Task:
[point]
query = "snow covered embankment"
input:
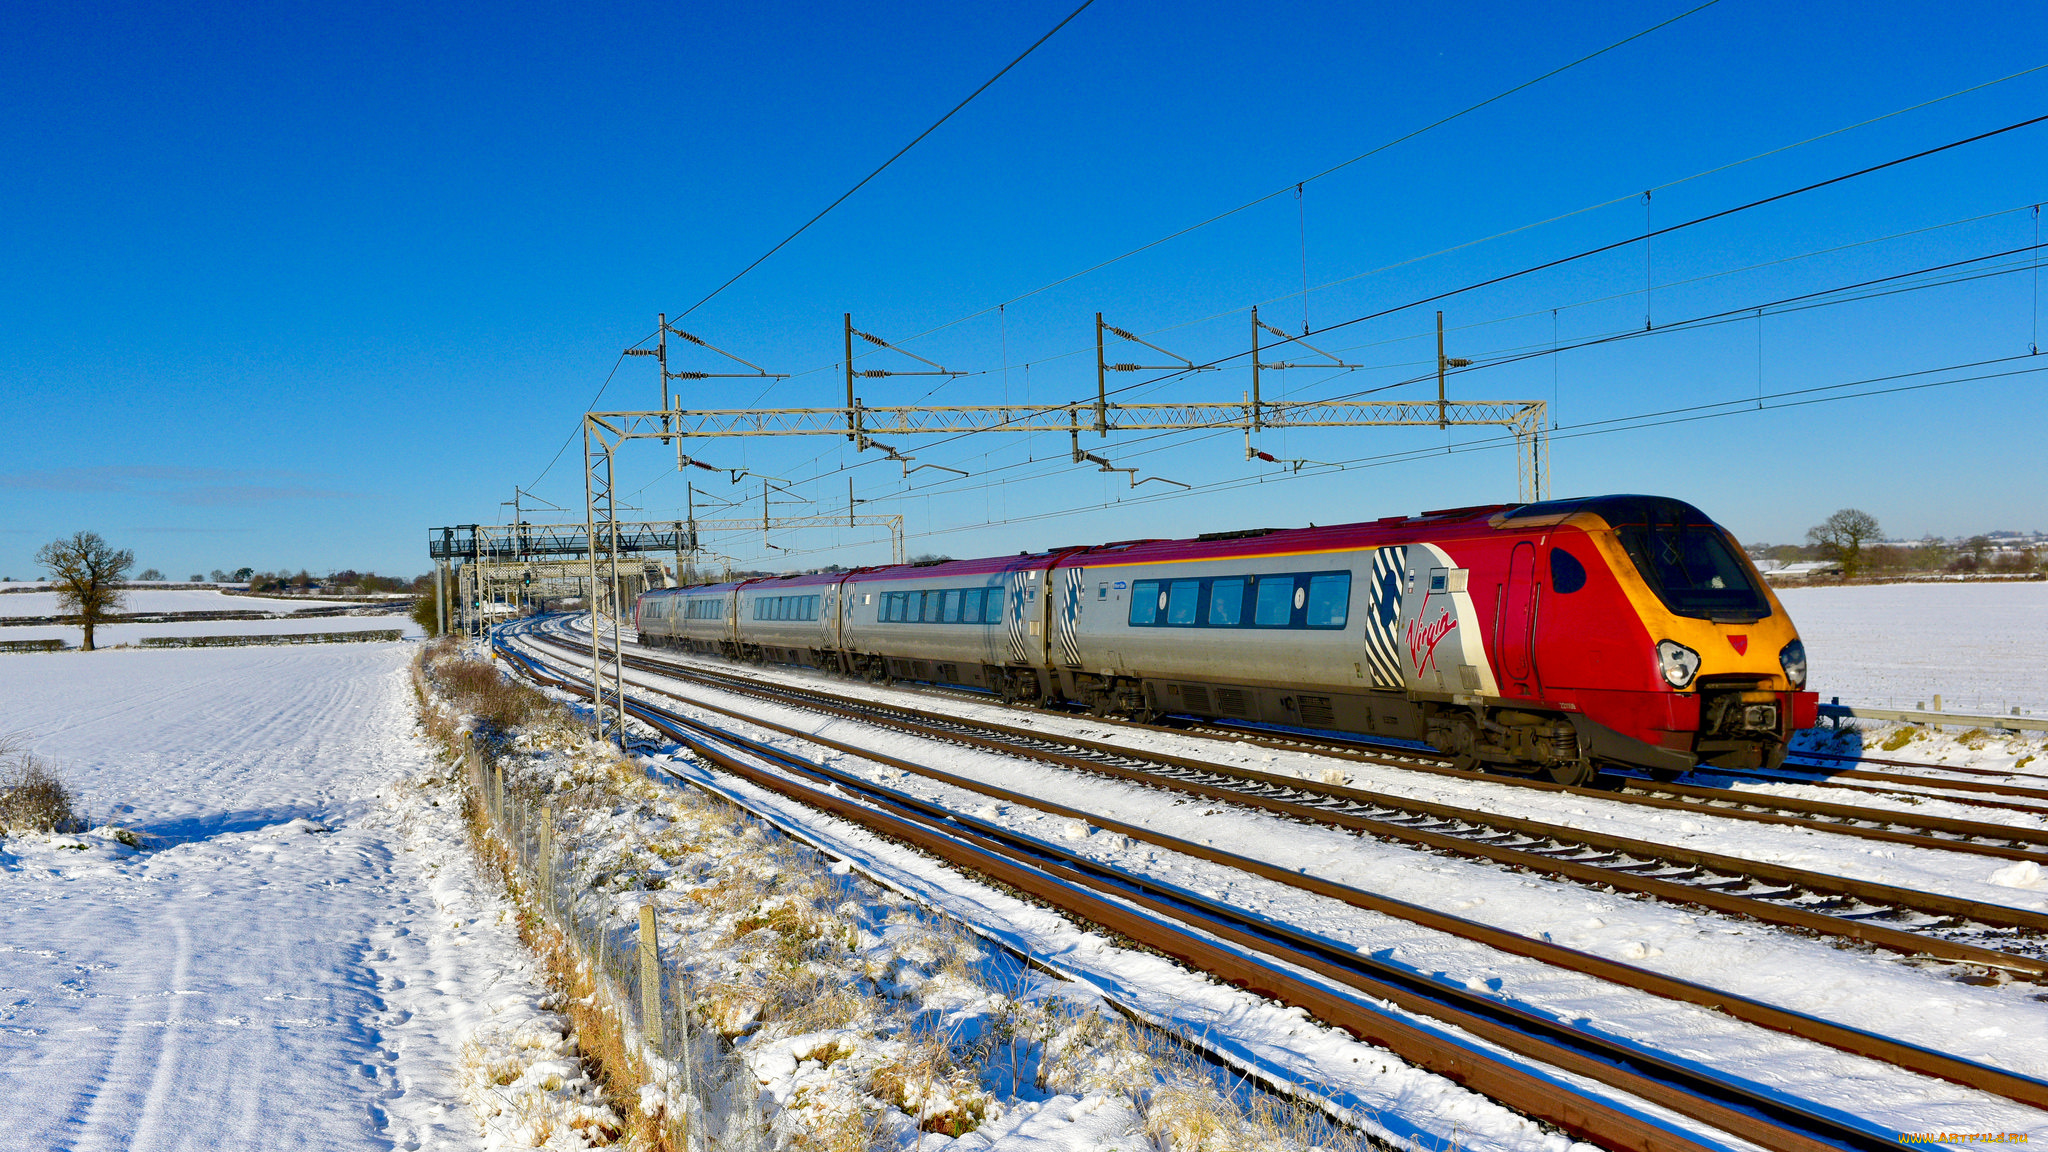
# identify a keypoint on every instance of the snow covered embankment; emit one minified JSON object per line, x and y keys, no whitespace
{"x":821,"y":1009}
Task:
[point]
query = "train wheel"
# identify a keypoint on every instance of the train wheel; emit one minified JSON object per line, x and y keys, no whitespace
{"x":1575,"y":774}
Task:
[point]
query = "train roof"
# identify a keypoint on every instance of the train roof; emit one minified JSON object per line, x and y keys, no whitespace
{"x":1252,"y":543}
{"x":692,"y":590}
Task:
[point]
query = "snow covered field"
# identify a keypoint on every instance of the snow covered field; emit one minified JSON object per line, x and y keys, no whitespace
{"x":265,"y":617}
{"x":1983,"y":647}
{"x":146,"y":599}
{"x":297,"y":968}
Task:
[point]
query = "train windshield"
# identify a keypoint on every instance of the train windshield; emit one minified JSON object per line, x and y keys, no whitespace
{"x":1685,"y":558}
{"x":1694,"y":571}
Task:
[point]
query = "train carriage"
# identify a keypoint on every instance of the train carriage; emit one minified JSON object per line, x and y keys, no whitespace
{"x":790,"y":620}
{"x":698,"y":619}
{"x":979,"y":623}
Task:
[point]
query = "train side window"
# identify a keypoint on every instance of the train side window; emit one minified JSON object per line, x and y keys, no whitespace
{"x":1226,"y":602}
{"x":890,"y":607}
{"x":993,"y":610}
{"x":1102,"y":590}
{"x":1145,"y":602}
{"x":1566,"y":573}
{"x":1329,"y":599}
{"x":970,"y":606}
{"x":1274,"y":603}
{"x":1182,"y":598}
{"x":950,"y":614}
{"x":931,"y":607}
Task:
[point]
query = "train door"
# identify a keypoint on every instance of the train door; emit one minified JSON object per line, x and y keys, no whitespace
{"x":1515,"y":621}
{"x":1066,"y":613}
{"x":995,"y":642}
{"x":1020,"y":616}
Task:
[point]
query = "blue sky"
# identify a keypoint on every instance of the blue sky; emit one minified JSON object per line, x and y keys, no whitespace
{"x":289,"y":285}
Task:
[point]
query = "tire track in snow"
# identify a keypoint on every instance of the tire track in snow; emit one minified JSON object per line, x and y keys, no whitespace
{"x":301,"y":953}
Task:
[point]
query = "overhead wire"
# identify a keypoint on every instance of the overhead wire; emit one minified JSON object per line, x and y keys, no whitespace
{"x":1561,"y":260}
{"x":1128,"y":448}
{"x":1416,"y":259}
{"x":784,"y":242}
{"x":1609,"y":202}
{"x":1504,"y":441}
{"x":1194,"y":434}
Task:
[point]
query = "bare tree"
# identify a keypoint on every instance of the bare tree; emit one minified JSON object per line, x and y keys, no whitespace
{"x":1841,"y":537}
{"x":87,"y":572}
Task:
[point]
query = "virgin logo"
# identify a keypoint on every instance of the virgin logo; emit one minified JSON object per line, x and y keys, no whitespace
{"x":1423,"y":638}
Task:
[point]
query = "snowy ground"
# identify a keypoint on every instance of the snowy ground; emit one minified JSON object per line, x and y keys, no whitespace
{"x":265,"y":617}
{"x":297,"y":967}
{"x":147,"y":599}
{"x":1982,"y":647}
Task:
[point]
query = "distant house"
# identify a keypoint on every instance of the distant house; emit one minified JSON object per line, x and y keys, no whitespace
{"x":1801,"y":569}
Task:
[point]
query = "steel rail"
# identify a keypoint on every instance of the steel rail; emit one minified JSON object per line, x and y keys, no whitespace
{"x":1912,"y":764}
{"x":1841,"y":1037}
{"x":1788,"y":775}
{"x":1556,"y":863}
{"x":1740,"y":805}
{"x":1727,"y":1106}
{"x":1930,"y":781}
{"x":1369,"y":751}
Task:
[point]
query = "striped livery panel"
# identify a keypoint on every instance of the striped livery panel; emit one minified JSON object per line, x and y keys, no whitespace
{"x":1070,"y":605}
{"x":1383,"y":616}
{"x":1013,"y":620}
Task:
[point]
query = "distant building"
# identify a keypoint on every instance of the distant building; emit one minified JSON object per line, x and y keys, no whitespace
{"x":1800,"y":569}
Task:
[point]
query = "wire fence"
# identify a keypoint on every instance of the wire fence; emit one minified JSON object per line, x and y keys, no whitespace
{"x":706,"y":1094}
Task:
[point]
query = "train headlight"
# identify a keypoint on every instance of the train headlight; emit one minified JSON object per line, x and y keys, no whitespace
{"x":1793,"y":658}
{"x":1678,"y":663}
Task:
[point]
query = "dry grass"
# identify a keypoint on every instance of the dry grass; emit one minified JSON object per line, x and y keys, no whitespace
{"x":33,"y":799}
{"x":608,"y":1050}
{"x":477,"y":688}
{"x":450,"y":683}
{"x":1897,"y":740}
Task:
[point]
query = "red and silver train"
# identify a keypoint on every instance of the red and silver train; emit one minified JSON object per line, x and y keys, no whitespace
{"x":1556,"y":637}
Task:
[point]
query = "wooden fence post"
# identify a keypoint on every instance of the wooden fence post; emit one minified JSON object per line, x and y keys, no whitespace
{"x":650,"y":979}
{"x":547,"y":854}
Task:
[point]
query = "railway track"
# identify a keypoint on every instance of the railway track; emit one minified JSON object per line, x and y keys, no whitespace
{"x":1184,"y":924}
{"x":1883,"y":916}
